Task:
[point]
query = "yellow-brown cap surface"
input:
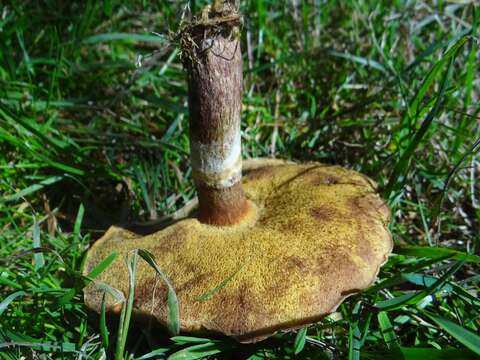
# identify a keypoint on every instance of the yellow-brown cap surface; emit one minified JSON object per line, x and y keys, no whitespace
{"x":315,"y":235}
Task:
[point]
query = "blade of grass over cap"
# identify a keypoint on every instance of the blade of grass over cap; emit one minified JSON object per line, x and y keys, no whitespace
{"x":173,"y":307}
{"x":127,"y":307}
{"x":97,"y":270}
{"x":103,"y":323}
{"x":221,"y":285}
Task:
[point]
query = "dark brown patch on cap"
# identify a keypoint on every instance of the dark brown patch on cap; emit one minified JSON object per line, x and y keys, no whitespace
{"x":191,"y":283}
{"x":333,"y":264}
{"x":295,"y":263}
{"x":364,"y":250}
{"x":148,"y":290}
{"x":277,"y":289}
{"x":365,"y":210}
{"x":171,"y":242}
{"x":323,"y":213}
{"x":285,"y":225}
{"x":321,"y":178}
{"x":233,"y":310}
{"x":324,"y":178}
{"x":371,"y":205}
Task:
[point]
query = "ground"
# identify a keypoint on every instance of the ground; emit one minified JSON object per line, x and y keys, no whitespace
{"x":93,"y":132}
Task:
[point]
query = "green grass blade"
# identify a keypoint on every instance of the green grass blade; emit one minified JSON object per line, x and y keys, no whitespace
{"x":26,"y":57}
{"x":118,"y":295}
{"x":452,"y":172}
{"x":466,"y":337}
{"x":97,"y":270}
{"x":153,"y":354}
{"x":403,"y":163}
{"x":387,"y":329}
{"x":354,"y":334}
{"x":360,"y":60}
{"x":354,"y":337}
{"x":33,"y":188}
{"x":172,"y":301}
{"x":221,"y":285}
{"x":200,"y":351}
{"x":436,"y":354}
{"x":109,"y":37}
{"x":182,"y":340}
{"x":5,"y":302}
{"x":193,"y":6}
{"x":437,"y":252}
{"x":421,"y":353}
{"x":412,"y":299}
{"x":31,"y":125}
{"x":127,"y":307}
{"x":103,"y":323}
{"x":107,"y":7}
{"x":430,"y":78}
{"x":78,"y":221}
{"x":425,"y":281}
{"x":401,"y":278}
{"x":47,"y":347}
{"x":300,"y":340}
{"x":38,"y":257}
{"x":119,"y":349}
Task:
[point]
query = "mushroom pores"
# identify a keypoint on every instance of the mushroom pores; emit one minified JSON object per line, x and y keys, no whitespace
{"x":315,"y":234}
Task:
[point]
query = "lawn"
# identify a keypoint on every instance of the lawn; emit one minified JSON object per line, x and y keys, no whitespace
{"x":94,"y":132}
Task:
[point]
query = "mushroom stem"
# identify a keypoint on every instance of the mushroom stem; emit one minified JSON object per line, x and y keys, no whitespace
{"x":212,"y":57}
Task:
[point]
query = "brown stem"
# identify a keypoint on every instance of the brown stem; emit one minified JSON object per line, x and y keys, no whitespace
{"x":212,"y":58}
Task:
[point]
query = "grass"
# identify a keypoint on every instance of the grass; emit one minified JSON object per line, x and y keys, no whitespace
{"x":93,"y":131}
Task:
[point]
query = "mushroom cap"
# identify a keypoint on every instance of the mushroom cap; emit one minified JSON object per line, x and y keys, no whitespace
{"x":316,"y":234}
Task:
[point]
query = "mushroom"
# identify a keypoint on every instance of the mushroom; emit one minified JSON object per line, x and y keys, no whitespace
{"x":275,"y":250}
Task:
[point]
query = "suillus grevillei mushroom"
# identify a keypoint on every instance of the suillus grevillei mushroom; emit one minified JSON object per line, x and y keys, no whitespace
{"x":276,"y":249}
